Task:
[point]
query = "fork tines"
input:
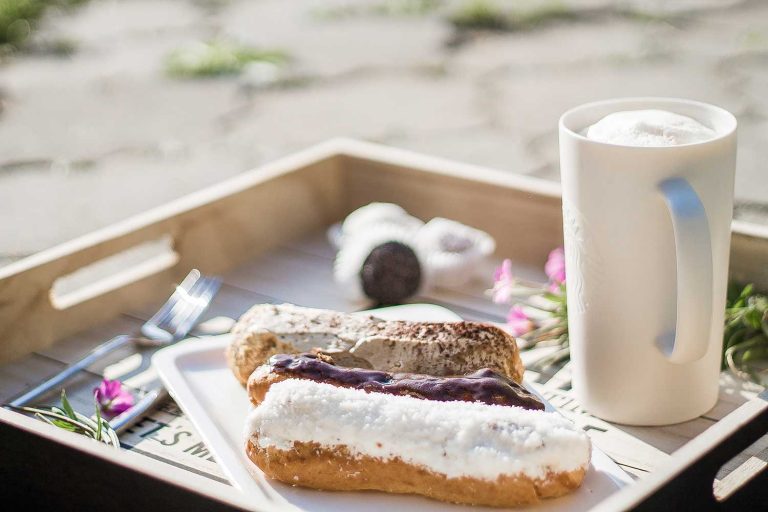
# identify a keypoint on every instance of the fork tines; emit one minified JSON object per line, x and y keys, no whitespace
{"x":180,"y":314}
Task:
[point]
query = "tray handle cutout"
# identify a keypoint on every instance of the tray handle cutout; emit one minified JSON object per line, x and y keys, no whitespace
{"x":113,"y":272}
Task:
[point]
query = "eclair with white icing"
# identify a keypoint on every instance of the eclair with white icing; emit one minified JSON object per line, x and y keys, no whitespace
{"x":322,"y":436}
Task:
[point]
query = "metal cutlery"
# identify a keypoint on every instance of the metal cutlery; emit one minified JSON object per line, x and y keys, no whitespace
{"x":172,"y":322}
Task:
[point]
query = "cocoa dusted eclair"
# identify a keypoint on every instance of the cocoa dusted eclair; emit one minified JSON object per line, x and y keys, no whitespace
{"x":485,"y":386}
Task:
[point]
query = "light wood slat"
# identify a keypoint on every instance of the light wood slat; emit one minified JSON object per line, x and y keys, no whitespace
{"x":231,"y":301}
{"x":758,"y":449}
{"x":742,"y":467}
{"x":292,"y":276}
{"x":620,"y":446}
{"x":74,"y":348}
{"x":24,"y":374}
{"x":669,"y":438}
{"x":736,"y":478}
{"x":315,"y":243}
{"x":734,"y":392}
{"x":561,"y":379}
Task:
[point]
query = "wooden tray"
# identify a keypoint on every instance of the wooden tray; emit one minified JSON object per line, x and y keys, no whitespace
{"x":264,"y":232}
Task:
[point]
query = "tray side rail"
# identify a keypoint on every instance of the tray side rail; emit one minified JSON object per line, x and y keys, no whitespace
{"x":213,"y":230}
{"x":687,"y":482}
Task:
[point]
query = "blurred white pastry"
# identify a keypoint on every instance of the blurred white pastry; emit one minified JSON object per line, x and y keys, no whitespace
{"x":452,"y":250}
{"x":371,"y":215}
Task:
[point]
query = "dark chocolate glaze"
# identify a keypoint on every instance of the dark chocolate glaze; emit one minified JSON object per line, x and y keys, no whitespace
{"x":484,"y":385}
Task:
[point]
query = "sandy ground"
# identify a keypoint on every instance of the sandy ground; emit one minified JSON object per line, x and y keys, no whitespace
{"x":103,"y":133}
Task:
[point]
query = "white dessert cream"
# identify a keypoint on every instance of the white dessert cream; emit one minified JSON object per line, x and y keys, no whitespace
{"x":455,"y":439}
{"x":648,"y":128}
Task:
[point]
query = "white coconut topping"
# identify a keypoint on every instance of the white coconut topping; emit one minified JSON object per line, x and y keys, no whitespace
{"x":452,"y":438}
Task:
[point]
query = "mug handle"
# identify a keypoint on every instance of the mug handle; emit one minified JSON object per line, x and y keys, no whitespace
{"x":693,"y":247}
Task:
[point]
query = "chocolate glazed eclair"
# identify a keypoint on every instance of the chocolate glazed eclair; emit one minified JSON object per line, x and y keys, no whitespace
{"x":485,"y":386}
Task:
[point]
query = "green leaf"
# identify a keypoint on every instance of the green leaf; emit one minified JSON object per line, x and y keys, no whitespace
{"x":64,"y":425}
{"x":98,"y":419}
{"x":66,"y":405}
{"x":753,"y":318}
{"x":764,"y":323}
{"x":755,"y":353}
{"x":99,"y":430}
{"x":553,"y":297}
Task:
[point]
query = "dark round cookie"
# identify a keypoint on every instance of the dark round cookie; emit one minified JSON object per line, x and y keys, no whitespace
{"x":391,"y":273}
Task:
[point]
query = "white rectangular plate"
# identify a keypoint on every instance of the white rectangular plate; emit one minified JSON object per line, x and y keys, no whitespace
{"x":196,"y":375}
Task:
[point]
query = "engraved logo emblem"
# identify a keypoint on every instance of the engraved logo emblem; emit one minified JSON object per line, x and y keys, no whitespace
{"x":581,"y":257}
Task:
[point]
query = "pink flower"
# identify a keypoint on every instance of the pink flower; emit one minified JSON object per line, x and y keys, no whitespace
{"x":518,"y":322}
{"x":503,"y":283}
{"x":555,"y":267}
{"x":112,"y":398}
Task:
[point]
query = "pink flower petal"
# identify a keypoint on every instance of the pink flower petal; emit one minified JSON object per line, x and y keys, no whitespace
{"x":555,"y":288}
{"x":112,"y":398}
{"x":555,"y":266}
{"x":121,"y":404}
{"x":503,"y":282}
{"x":518,"y":322}
{"x":502,"y":293}
{"x":504,"y":272}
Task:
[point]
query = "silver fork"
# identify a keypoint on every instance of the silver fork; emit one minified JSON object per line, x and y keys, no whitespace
{"x":170,"y":324}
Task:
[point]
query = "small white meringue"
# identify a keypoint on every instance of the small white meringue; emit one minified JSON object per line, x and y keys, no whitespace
{"x":369,"y":215}
{"x":452,"y":250}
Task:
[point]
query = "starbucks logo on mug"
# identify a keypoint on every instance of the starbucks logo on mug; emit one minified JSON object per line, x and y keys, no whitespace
{"x":581,"y":257}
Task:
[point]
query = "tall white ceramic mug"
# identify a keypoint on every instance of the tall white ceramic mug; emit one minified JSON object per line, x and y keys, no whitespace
{"x":647,"y":237}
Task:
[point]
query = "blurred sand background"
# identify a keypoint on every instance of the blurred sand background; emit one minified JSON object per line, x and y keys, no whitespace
{"x":110,"y":107}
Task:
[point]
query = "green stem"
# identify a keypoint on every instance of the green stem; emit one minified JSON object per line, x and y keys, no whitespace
{"x":754,"y":341}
